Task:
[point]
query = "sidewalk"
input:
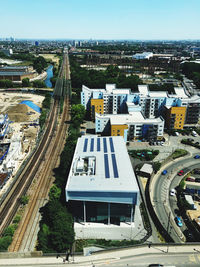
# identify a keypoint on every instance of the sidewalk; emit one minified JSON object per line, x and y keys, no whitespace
{"x":99,"y":257}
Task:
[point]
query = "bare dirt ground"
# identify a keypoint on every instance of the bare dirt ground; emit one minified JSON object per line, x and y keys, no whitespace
{"x":10,"y":104}
{"x":22,"y":118}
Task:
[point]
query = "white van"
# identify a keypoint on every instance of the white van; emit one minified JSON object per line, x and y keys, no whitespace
{"x":194,"y":133}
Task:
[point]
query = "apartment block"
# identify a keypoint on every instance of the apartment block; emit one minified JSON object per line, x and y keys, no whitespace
{"x":177,"y":109}
{"x":132,"y":126}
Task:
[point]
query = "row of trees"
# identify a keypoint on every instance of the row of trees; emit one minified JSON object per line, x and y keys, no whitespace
{"x":98,"y":79}
{"x":25,"y":83}
{"x":192,"y":71}
{"x":45,"y":109}
{"x":38,"y":63}
{"x":56,"y":227}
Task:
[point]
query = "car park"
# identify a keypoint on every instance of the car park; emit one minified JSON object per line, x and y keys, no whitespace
{"x":190,"y":179}
{"x":197,"y":157}
{"x":181,"y":172}
{"x":178,"y":221}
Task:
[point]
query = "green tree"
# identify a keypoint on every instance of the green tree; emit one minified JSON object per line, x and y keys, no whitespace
{"x":54,"y":192}
{"x":24,"y":200}
{"x":17,"y":219}
{"x":5,"y":242}
{"x":56,"y":232}
{"x":77,"y":114}
{"x":9,"y":231}
{"x":39,"y":84}
{"x":26,"y":82}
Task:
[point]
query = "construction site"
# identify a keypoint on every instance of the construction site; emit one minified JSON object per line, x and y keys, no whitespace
{"x":19,"y":127}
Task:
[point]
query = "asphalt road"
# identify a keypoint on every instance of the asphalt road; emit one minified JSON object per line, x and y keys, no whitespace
{"x":178,"y":260}
{"x":165,"y":205}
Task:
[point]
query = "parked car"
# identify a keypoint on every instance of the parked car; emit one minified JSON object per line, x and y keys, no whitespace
{"x":197,"y":180}
{"x":178,"y":221}
{"x":181,"y":172}
{"x":164,"y":172}
{"x":194,"y":133}
{"x":197,"y":156}
{"x":172,"y":192}
{"x":190,"y":179}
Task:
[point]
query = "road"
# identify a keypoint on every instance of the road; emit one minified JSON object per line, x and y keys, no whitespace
{"x":178,"y":260}
{"x":175,"y":255}
{"x":160,"y":196}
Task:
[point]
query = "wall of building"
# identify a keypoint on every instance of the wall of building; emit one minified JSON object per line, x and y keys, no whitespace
{"x":96,"y":107}
{"x":118,"y":130}
{"x":175,"y":117}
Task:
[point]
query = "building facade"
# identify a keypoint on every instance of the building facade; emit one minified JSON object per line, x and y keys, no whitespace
{"x":101,"y":185}
{"x":177,"y":109}
{"x":132,"y":126}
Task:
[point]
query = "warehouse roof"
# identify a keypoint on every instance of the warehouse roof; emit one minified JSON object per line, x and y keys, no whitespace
{"x":14,"y":73}
{"x":101,"y":166}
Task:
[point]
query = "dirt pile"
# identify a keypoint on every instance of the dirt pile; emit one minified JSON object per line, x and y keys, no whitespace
{"x":18,"y":113}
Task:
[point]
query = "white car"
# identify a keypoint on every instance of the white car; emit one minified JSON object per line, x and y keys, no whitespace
{"x":172,"y":192}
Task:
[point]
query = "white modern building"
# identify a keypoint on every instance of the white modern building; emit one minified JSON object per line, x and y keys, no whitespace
{"x":144,"y":55}
{"x":101,"y":185}
{"x":151,"y":103}
{"x":131,"y":126}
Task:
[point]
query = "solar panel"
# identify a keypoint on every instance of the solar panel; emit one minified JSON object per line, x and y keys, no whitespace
{"x":98,"y":144}
{"x":107,"y":172}
{"x":114,"y":163}
{"x":85,"y":145}
{"x":92,"y":145}
{"x":111,"y":145}
{"x":105,"y":145}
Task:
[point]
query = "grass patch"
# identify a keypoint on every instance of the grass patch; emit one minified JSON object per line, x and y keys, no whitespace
{"x":81,"y":243}
{"x":179,"y":153}
{"x":144,"y":155}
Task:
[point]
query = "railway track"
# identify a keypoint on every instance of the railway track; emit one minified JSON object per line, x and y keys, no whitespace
{"x":27,"y":230}
{"x":12,"y":202}
{"x":41,"y":165}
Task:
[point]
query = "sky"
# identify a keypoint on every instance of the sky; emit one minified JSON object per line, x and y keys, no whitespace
{"x":100,"y":19}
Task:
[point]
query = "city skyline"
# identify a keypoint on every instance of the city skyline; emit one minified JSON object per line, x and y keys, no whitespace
{"x":113,"y":20}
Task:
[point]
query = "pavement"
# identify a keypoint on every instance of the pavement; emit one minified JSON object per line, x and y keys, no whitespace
{"x":97,"y":258}
{"x":129,"y":231}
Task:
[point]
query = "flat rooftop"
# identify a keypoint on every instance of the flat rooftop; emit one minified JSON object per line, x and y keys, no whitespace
{"x":14,"y":73}
{"x":101,"y":171}
{"x":180,"y":92}
{"x":132,"y":117}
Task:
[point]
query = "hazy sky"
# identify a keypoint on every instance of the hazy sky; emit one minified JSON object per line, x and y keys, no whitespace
{"x":100,"y":19}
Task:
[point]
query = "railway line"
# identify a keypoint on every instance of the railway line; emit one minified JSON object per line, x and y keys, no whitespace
{"x":40,"y":167}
